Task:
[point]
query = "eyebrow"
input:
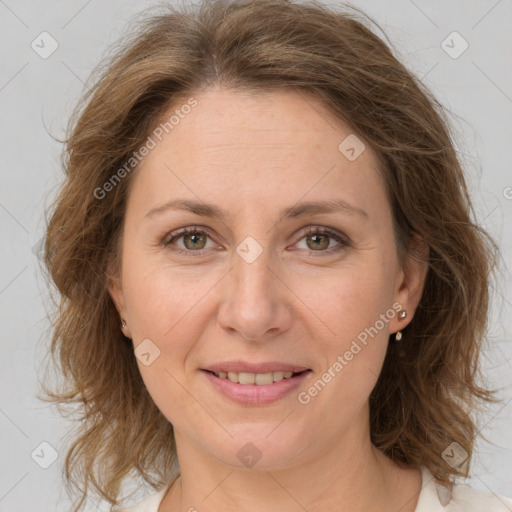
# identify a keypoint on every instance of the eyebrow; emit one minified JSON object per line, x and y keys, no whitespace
{"x":298,"y":210}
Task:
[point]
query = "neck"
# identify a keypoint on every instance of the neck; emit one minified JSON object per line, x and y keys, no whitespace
{"x":351,"y":475}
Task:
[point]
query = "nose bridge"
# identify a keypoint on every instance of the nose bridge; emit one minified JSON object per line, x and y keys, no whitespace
{"x":253,"y":304}
{"x":252,"y":277}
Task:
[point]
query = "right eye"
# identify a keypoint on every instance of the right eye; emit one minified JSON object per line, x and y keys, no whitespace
{"x":194,"y":240}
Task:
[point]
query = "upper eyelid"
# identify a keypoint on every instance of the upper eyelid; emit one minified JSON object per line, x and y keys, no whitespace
{"x":183,"y":231}
{"x":331,"y":232}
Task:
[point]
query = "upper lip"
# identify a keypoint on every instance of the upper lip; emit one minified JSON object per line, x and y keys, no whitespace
{"x":242,"y":366}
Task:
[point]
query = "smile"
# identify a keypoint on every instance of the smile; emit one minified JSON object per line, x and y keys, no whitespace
{"x":254,"y":389}
{"x":258,"y":379}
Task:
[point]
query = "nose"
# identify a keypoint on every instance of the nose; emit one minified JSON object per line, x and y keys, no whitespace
{"x":256,"y":301}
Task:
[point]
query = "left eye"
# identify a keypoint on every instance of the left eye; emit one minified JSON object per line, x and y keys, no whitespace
{"x":317,"y":240}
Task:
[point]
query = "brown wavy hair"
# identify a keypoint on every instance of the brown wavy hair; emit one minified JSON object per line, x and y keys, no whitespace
{"x":430,"y":383}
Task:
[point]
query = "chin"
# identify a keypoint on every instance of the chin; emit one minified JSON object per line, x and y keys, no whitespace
{"x":264,"y":447}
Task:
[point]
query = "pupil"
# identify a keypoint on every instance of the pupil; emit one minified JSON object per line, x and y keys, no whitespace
{"x":193,"y":237}
{"x":315,"y":240}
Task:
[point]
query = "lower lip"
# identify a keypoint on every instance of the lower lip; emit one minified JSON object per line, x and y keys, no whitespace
{"x":252,"y":394}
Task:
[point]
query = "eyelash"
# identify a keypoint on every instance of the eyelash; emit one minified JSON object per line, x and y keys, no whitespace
{"x":341,"y":239}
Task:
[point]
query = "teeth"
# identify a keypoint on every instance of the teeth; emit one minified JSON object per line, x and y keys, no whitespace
{"x":260,"y":379}
{"x":246,"y":378}
{"x":278,"y":376}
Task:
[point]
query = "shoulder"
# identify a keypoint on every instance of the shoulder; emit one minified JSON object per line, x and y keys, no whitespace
{"x":471,"y":500}
{"x":460,"y":498}
{"x":149,"y":504}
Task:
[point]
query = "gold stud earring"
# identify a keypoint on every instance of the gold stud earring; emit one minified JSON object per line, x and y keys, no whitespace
{"x":123,"y":326}
{"x":401,"y":316}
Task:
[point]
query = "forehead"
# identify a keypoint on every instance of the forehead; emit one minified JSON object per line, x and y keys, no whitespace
{"x":275,"y":145}
{"x":275,"y":119}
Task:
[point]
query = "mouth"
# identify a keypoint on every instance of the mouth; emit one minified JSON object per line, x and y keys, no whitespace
{"x":256,"y":379}
{"x":256,"y":388}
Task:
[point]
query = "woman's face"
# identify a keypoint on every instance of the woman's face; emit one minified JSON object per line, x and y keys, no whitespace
{"x":290,"y":266}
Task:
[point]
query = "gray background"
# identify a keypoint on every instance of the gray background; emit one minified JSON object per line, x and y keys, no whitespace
{"x":36,"y":98}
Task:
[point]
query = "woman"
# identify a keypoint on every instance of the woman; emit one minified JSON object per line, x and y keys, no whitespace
{"x":273,"y":295}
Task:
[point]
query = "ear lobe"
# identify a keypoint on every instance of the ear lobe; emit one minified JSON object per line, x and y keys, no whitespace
{"x":412,"y":279}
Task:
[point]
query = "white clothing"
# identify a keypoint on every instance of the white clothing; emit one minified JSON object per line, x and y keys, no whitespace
{"x":432,"y":498}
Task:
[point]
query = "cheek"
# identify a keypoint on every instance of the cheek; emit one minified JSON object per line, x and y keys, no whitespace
{"x":160,"y":297}
{"x":168,"y":316}
{"x":348,"y":299}
{"x":349,"y":307}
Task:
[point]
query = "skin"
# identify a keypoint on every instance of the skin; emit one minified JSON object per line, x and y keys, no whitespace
{"x":254,"y":155}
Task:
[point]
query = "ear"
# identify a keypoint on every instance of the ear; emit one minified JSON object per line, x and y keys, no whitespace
{"x":410,"y":282}
{"x":115,"y":290}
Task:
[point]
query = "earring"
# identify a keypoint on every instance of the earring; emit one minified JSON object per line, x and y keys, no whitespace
{"x":123,"y":326}
{"x":401,"y":316}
